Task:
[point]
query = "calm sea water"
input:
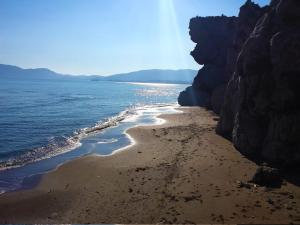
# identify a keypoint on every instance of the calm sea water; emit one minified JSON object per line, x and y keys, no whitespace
{"x":63,"y":119}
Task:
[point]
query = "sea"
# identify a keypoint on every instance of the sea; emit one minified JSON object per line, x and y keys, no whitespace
{"x":45,"y":123}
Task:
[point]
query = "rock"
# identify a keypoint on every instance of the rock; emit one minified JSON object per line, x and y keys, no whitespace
{"x":248,"y":18}
{"x":256,"y":56}
{"x":219,"y":40}
{"x":194,"y":97}
{"x":213,"y":36}
{"x":289,"y":10}
{"x":261,"y":111}
{"x":268,"y":177}
{"x":242,"y":184}
{"x":217,"y":98}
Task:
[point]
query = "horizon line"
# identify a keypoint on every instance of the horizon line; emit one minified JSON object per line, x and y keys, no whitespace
{"x":106,"y":75}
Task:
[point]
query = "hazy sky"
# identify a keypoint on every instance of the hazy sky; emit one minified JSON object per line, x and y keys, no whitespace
{"x":103,"y":36}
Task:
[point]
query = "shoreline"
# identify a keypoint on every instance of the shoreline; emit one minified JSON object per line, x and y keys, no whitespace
{"x":177,"y":172}
{"x":159,"y":122}
{"x":73,"y":142}
{"x":122,"y":122}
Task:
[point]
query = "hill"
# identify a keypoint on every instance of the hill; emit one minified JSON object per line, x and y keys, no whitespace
{"x":145,"y":76}
{"x":154,"y":76}
{"x":14,"y":72}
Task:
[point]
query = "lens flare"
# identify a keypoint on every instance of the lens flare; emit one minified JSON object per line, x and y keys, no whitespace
{"x":169,"y":30}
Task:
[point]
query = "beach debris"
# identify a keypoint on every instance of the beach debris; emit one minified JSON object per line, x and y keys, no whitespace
{"x":268,"y":177}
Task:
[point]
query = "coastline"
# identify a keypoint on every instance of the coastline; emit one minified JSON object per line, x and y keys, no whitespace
{"x":103,"y":139}
{"x":176,"y":172}
{"x":158,"y":122}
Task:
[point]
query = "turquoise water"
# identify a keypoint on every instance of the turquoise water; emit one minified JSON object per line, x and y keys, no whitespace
{"x":46,"y":123}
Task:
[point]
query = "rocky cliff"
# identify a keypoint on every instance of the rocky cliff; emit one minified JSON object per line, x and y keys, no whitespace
{"x":260,"y":111}
{"x":219,"y":40}
{"x":213,"y":36}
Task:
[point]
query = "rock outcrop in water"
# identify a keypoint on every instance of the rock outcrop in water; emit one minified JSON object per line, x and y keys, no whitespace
{"x":260,"y":113}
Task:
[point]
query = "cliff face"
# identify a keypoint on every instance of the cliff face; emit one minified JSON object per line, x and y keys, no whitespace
{"x":261,"y":110}
{"x":260,"y":57}
{"x":219,"y":40}
{"x":213,"y":36}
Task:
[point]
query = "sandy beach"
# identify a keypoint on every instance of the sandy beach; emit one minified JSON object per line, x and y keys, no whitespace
{"x":178,"y":172}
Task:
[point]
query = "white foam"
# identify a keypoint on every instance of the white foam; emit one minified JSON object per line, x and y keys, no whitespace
{"x":158,"y":121}
{"x":107,"y":141}
{"x":68,"y":144}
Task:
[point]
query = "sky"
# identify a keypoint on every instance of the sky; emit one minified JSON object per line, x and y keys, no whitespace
{"x":103,"y":37}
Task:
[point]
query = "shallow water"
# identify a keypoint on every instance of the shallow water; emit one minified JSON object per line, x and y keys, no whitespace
{"x":46,"y":123}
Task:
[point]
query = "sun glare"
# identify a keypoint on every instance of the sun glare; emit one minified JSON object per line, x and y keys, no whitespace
{"x":170,"y":30}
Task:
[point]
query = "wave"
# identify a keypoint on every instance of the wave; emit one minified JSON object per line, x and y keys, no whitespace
{"x":63,"y":144}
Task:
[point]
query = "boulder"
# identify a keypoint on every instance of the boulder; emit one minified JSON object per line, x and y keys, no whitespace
{"x":268,"y":177}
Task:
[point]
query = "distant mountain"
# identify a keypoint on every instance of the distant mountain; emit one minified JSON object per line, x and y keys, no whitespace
{"x":145,"y":76}
{"x":7,"y":71}
{"x":153,"y":76}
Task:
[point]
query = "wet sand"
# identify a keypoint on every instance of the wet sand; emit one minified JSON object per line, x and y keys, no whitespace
{"x":178,"y":172}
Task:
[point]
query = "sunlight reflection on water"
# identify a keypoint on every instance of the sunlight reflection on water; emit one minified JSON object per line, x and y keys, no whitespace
{"x":155,"y":91}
